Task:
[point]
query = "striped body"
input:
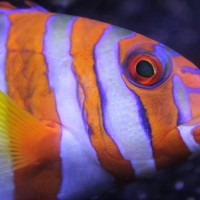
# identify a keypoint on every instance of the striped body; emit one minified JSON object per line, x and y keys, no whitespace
{"x":69,"y":71}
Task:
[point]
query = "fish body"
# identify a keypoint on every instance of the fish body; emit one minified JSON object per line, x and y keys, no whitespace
{"x":85,"y":104}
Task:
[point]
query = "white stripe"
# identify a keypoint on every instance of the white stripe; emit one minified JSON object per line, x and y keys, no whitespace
{"x":188,"y":138}
{"x":182,"y":100}
{"x":6,"y":180}
{"x":82,"y":174}
{"x":120,"y":109}
{"x":4,"y":26}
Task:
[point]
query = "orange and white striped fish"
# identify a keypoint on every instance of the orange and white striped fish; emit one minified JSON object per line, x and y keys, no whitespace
{"x":85,"y":103}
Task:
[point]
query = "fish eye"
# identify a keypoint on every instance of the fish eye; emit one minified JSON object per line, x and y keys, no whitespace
{"x":147,"y":65}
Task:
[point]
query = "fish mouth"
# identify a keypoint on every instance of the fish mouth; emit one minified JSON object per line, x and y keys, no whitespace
{"x":190,"y":134}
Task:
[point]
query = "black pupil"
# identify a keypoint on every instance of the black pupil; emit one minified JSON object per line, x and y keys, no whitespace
{"x":145,"y":69}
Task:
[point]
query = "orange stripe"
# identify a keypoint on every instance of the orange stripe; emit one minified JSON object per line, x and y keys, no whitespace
{"x":196,"y":134}
{"x":26,"y":74}
{"x":194,"y":103}
{"x":188,"y":79}
{"x":172,"y":150}
{"x":85,"y":34}
{"x":128,"y":43}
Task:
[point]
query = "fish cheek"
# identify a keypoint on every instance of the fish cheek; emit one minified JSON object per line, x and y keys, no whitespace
{"x":162,"y":116}
{"x":171,"y":150}
{"x":168,"y":147}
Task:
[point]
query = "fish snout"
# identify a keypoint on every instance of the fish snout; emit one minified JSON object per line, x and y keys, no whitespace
{"x":190,"y":134}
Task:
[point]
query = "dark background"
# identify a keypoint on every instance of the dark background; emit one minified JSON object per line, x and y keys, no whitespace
{"x":175,"y":23}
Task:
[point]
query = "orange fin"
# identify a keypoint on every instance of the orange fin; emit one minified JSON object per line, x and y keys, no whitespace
{"x":22,"y":136}
{"x":21,"y":4}
{"x":31,"y":4}
{"x":6,"y":6}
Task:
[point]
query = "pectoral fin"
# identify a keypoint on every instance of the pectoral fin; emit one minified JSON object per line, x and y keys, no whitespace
{"x":24,"y":140}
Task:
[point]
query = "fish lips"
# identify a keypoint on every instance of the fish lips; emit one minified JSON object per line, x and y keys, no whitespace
{"x":190,"y":134}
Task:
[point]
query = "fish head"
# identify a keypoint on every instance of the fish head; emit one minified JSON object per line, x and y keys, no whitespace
{"x":150,"y":96}
{"x":160,"y":110}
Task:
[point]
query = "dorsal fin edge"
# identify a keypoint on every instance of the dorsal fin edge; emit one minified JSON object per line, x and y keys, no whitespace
{"x":4,"y":5}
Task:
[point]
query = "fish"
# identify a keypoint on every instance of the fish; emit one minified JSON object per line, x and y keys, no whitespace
{"x":86,"y":105}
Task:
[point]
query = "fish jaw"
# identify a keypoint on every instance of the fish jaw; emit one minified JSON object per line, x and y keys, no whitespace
{"x":179,"y":144}
{"x":190,"y":134}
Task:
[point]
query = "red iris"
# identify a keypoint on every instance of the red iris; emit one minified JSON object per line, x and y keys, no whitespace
{"x":145,"y":69}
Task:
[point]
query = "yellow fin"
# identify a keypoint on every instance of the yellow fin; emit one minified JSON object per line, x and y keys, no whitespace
{"x":20,"y":135}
